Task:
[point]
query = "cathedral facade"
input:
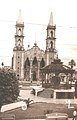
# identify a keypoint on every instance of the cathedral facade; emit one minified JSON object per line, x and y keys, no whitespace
{"x":27,"y":63}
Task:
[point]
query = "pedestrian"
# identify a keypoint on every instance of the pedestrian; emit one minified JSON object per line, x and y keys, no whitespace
{"x":74,"y":114}
{"x":31,"y":81}
{"x":33,"y":91}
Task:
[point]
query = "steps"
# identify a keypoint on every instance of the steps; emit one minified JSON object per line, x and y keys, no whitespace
{"x":28,"y":83}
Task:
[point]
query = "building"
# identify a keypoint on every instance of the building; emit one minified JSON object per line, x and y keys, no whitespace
{"x":27,"y":63}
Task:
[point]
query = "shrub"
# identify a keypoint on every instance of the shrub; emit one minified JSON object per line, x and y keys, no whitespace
{"x":9,"y":90}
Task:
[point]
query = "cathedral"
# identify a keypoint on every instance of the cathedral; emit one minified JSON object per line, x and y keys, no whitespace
{"x":27,"y":63}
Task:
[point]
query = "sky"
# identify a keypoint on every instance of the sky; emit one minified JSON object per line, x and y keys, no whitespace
{"x":35,"y":15}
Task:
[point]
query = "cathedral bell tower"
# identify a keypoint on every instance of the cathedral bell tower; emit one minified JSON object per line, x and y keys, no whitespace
{"x":51,"y":52}
{"x":18,"y":51}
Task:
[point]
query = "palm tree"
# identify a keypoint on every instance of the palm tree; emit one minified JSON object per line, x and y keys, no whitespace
{"x":28,"y":101}
{"x":72,"y":63}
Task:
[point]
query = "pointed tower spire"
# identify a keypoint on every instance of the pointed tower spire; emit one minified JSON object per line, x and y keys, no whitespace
{"x":51,"y":41}
{"x":19,"y":17}
{"x":51,"y":19}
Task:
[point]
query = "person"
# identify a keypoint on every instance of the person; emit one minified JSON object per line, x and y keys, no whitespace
{"x":33,"y":91}
{"x":27,"y":101}
{"x":74,"y":114}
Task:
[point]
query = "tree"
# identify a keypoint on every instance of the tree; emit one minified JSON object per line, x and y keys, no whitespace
{"x":72,"y":63}
{"x":9,"y":89}
{"x":2,"y":64}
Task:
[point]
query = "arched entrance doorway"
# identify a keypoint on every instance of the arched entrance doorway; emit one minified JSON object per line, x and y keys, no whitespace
{"x":34,"y":76}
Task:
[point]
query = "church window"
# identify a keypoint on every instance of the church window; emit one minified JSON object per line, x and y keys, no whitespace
{"x":19,"y":32}
{"x":42,"y":63}
{"x":51,"y":34}
{"x":19,"y":41}
{"x":35,"y":61}
{"x":51,"y":44}
{"x":19,"y":29}
{"x":27,"y":63}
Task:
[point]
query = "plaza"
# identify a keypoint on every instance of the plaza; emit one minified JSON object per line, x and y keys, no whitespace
{"x":42,"y":106}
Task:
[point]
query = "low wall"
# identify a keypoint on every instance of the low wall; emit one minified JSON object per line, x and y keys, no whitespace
{"x":13,"y":106}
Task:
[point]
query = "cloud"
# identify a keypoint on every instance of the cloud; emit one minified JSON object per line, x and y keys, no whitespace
{"x":74,"y":49}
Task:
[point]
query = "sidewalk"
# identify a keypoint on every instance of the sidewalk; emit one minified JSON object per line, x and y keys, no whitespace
{"x":25,"y":93}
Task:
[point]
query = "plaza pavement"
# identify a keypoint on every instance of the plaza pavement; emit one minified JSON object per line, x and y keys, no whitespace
{"x":26,"y":93}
